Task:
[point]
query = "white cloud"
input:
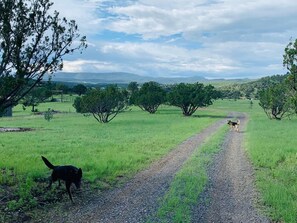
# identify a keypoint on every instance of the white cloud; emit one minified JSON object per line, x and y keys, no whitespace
{"x":84,"y":12}
{"x":153,"y":19}
{"x":173,"y":37}
{"x":80,"y":65}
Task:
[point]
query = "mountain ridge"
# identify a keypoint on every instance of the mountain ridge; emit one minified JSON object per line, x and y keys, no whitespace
{"x":125,"y":78}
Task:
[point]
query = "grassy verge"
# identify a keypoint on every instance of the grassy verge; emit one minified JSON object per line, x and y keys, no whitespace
{"x":272,"y":148}
{"x":189,"y":182}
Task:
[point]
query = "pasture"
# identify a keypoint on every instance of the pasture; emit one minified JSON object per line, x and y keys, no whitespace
{"x":109,"y":152}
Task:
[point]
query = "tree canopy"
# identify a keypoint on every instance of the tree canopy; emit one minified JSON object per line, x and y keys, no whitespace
{"x":190,"y":97}
{"x":150,"y":96}
{"x":33,"y":40}
{"x":103,"y":104}
{"x":290,"y":62}
{"x":275,"y":101}
{"x":80,"y":89}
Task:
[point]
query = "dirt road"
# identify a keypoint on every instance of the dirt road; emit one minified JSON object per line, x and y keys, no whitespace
{"x":229,"y":197}
{"x":230,"y":194}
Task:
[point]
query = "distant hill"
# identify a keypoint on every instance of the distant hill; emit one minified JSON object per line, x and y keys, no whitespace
{"x":125,"y":78}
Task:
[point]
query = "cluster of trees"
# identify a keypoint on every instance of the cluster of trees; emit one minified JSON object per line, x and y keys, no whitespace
{"x":279,"y":98}
{"x":44,"y":91}
{"x":105,"y":104}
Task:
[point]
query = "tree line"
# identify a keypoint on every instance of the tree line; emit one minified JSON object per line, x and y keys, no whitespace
{"x":106,"y":103}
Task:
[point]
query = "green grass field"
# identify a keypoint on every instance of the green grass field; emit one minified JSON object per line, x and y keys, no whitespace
{"x":134,"y":139}
{"x":104,"y":151}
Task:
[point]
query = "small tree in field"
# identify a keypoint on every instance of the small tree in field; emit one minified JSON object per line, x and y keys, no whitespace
{"x":36,"y":96}
{"x":150,"y":96}
{"x":80,"y":89}
{"x":190,"y":97}
{"x":275,"y":101}
{"x":103,"y":104}
{"x":33,"y":41}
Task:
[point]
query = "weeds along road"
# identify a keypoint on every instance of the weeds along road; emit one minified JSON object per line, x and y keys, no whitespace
{"x":229,"y":196}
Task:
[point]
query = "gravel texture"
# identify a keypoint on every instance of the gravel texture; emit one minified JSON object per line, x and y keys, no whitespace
{"x":230,"y":195}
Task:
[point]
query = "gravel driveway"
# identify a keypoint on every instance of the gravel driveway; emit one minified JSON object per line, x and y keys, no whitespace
{"x":229,"y":196}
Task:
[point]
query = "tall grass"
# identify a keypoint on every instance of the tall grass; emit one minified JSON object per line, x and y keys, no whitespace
{"x":273,"y":149}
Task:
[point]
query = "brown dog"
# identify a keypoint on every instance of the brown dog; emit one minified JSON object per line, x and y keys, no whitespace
{"x":234,"y":125}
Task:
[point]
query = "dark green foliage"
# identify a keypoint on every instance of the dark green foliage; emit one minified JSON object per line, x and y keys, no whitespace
{"x":80,"y":89}
{"x":150,"y":96}
{"x":36,"y":96}
{"x":290,"y":62}
{"x":77,"y":104}
{"x":275,"y":101}
{"x":33,"y":40}
{"x":103,"y":104}
{"x":189,"y":97}
{"x":48,"y":115}
{"x":133,"y":91}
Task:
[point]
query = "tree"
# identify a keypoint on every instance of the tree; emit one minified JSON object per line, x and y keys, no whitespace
{"x":133,"y":91}
{"x":80,"y":89}
{"x":132,"y":87}
{"x":33,"y":40}
{"x":189,"y":97}
{"x":150,"y":96}
{"x":290,"y":62}
{"x":36,"y":96}
{"x":275,"y":101}
{"x":103,"y":104}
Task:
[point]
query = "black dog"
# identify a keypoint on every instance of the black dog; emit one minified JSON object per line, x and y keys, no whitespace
{"x":70,"y":174}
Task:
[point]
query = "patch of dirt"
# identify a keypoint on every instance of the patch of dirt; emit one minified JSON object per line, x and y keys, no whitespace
{"x":15,"y":129}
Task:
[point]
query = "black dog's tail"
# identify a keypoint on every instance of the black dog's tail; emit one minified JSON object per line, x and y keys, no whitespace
{"x":49,"y":165}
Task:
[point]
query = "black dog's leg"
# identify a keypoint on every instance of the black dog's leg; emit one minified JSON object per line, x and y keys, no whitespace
{"x":68,"y":184}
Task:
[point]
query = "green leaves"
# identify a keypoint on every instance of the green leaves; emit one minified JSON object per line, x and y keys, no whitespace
{"x":33,"y":42}
{"x":103,"y":104}
{"x":189,"y":97}
{"x":150,"y":96}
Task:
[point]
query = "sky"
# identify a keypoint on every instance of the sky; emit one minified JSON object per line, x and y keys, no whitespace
{"x":181,"y":38}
